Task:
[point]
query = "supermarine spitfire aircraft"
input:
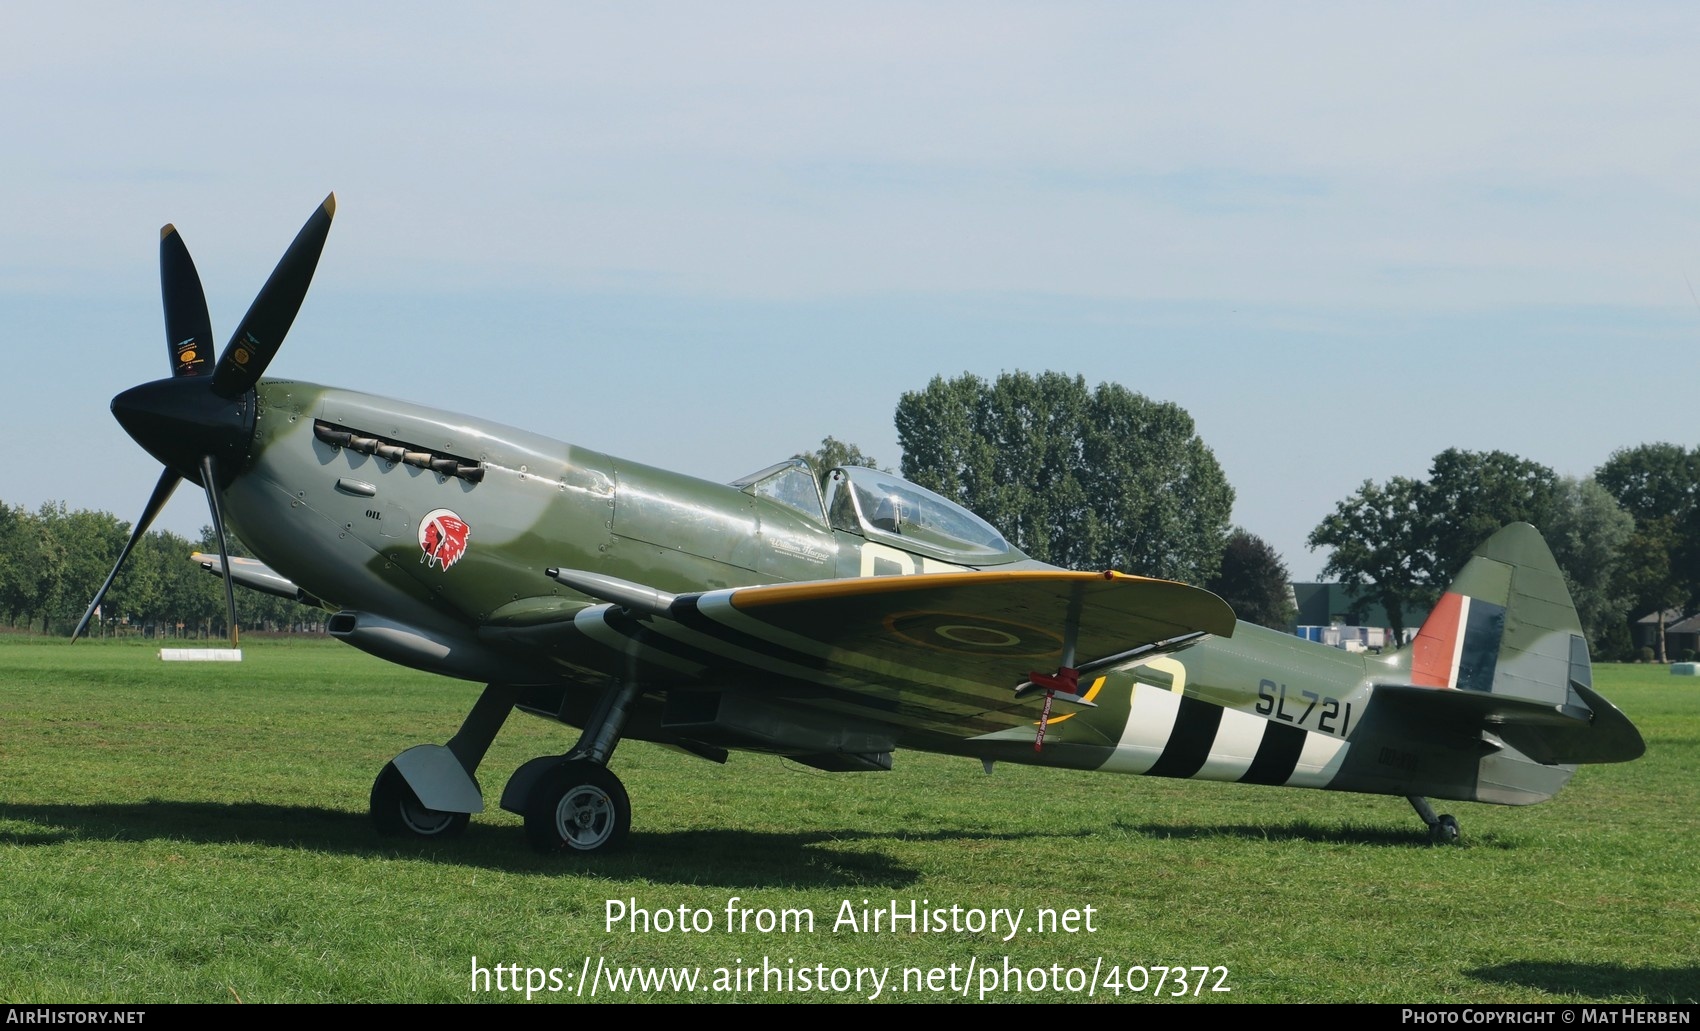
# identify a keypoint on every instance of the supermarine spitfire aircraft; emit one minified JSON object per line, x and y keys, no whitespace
{"x":834,"y":630}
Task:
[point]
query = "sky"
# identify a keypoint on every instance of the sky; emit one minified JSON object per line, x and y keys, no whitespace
{"x":1344,"y":237}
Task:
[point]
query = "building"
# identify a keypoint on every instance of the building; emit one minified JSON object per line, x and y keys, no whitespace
{"x":1334,"y":615}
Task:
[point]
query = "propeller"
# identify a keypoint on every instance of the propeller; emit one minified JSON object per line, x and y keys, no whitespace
{"x":188,"y":330}
{"x":199,"y":425}
{"x":262,"y":330}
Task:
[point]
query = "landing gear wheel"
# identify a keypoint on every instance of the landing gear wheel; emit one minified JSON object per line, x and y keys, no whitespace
{"x":577,"y":807}
{"x":1445,"y":831}
{"x":397,"y":812}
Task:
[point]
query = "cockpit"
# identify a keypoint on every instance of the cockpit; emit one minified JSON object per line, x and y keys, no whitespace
{"x":885,"y":508}
{"x":906,"y":516}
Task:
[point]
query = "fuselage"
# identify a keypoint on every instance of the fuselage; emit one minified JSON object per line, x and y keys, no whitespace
{"x":346,"y":524}
{"x":833,"y":622}
{"x":444,"y":525}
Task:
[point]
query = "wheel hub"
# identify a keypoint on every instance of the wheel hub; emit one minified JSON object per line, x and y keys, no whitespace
{"x":424,"y":821}
{"x":586,"y":816}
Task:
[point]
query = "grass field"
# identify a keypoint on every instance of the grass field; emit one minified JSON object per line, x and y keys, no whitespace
{"x":192,"y":832}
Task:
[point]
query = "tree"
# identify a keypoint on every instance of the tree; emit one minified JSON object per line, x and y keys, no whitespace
{"x":1376,"y":540}
{"x":1405,"y":541}
{"x":1652,"y":480}
{"x":15,"y":557}
{"x":1088,"y":479}
{"x":1649,"y":575}
{"x":1587,"y":531}
{"x":833,"y":453}
{"x":1659,"y":486}
{"x":52,"y":561}
{"x":47,"y":579}
{"x":1470,"y":496}
{"x":1255,"y":582}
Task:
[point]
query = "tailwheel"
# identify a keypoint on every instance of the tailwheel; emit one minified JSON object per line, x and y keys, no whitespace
{"x":1442,"y":830}
{"x":397,"y":811}
{"x":577,"y":807}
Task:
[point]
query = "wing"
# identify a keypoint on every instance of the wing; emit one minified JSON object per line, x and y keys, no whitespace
{"x":981,"y":627}
{"x":944,"y":652}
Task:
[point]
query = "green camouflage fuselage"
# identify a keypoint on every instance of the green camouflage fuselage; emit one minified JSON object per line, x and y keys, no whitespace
{"x":355,"y":530}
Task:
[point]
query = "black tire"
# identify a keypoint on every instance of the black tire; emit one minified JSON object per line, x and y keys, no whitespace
{"x":397,"y":811}
{"x":577,"y":807}
{"x":1445,"y":830}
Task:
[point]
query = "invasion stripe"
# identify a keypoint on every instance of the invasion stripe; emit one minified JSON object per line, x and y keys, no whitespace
{"x":774,"y":654}
{"x":605,"y":625}
{"x":1151,"y":718}
{"x":1189,"y":744}
{"x":717,"y":605}
{"x":1319,"y":761}
{"x":1277,"y":755}
{"x":890,"y":697}
{"x":594,"y":623}
{"x":1236,"y":744}
{"x":688,"y":612}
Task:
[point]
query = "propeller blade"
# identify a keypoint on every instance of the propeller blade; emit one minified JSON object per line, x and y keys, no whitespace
{"x":188,"y":329}
{"x":168,"y":481}
{"x":209,"y":479}
{"x":262,"y":330}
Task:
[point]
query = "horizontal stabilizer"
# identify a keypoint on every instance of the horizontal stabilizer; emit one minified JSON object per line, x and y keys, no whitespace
{"x":1585,"y":729}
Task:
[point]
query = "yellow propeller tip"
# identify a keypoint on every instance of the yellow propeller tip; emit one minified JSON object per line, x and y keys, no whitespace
{"x":330,"y":203}
{"x":166,"y":230}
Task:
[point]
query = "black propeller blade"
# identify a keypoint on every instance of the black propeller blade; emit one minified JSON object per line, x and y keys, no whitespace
{"x":168,"y":480}
{"x":188,"y":329}
{"x":194,"y":427}
{"x":262,"y":330}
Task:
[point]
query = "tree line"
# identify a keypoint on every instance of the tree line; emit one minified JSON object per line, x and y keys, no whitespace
{"x":1105,"y":478}
{"x":53,"y":559}
{"x":1627,"y":538}
{"x":1086,"y":478}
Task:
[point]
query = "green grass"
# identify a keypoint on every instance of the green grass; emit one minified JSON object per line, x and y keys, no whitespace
{"x":197,"y":833}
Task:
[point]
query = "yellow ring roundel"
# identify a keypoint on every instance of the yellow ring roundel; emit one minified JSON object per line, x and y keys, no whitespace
{"x":967,"y":633}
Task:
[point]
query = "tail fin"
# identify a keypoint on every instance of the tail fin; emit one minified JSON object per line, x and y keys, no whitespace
{"x":1505,"y":626}
{"x":1502,"y":655}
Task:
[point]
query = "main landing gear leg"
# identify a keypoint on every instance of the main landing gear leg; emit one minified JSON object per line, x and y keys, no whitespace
{"x":1442,"y":830}
{"x":572,"y":802}
{"x":444,"y":772}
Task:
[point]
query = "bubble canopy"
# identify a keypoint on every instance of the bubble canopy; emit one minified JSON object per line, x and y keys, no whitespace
{"x":892,"y":510}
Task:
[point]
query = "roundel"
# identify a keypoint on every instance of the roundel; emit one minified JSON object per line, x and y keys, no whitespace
{"x":973,"y":634}
{"x":442,"y":538}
